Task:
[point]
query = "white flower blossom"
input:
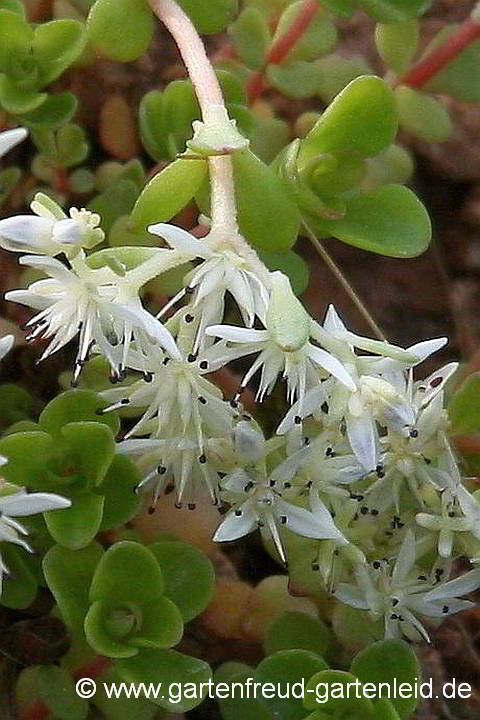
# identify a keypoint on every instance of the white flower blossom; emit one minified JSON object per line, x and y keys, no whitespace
{"x":21,"y":504}
{"x":50,"y":231}
{"x":99,"y":305}
{"x":284,"y":347}
{"x":222,"y":270}
{"x":400,"y":591}
{"x":6,"y":344}
{"x":256,"y":502}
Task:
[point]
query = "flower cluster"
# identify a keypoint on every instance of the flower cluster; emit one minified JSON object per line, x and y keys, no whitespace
{"x":360,"y":465}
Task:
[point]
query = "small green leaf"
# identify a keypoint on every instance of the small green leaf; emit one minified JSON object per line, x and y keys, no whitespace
{"x":362,"y":119}
{"x":390,"y":221}
{"x":118,"y":199}
{"x":127,"y":572}
{"x":324,"y":691}
{"x":16,"y":36}
{"x":15,"y":6}
{"x":52,"y":687}
{"x":251,"y":37}
{"x":121,"y":501}
{"x":122,"y":708}
{"x":248,"y":707}
{"x":54,"y":112}
{"x":267,"y":216}
{"x":389,"y":11}
{"x":99,"y":440}
{"x":76,"y":526}
{"x":390,"y":661}
{"x":295,"y":630}
{"x":233,"y":89}
{"x":161,"y":625}
{"x":185,"y":677}
{"x":268,"y":138}
{"x":151,"y":125}
{"x":460,"y":79}
{"x":121,"y":29}
{"x":422,"y":115}
{"x":181,"y":108}
{"x":76,"y":406}
{"x":27,"y":454}
{"x":291,"y":265}
{"x":168,"y":192}
{"x":335,"y":72}
{"x":69,"y":574}
{"x":212,"y":17}
{"x":341,"y":7}
{"x":296,"y":79}
{"x":319,"y":38}
{"x":18,"y":100}
{"x":19,"y":585}
{"x":98,"y":635}
{"x":188,"y":574}
{"x":72,"y":145}
{"x":56,"y":45}
{"x":397,"y":43}
{"x":15,"y":401}
{"x":287,"y":667}
{"x":463,"y":409}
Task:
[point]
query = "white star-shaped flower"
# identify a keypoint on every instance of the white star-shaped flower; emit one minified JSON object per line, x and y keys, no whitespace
{"x":222,"y":270}
{"x":284,"y":347}
{"x":20,"y":504}
{"x":98,"y":305}
{"x":400,"y":592}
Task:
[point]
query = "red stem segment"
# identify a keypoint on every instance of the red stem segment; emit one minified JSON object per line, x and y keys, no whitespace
{"x":281,"y":48}
{"x":420,"y":74}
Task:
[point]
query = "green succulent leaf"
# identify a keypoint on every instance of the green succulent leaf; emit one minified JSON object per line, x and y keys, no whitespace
{"x":53,"y":687}
{"x":122,"y":708}
{"x":187,"y":677}
{"x":390,"y":221}
{"x":98,"y":438}
{"x":17,"y":100}
{"x":463,"y":409}
{"x":211,"y":18}
{"x":251,"y":37}
{"x":290,"y":264}
{"x":76,"y":406}
{"x":15,"y":401}
{"x":388,"y":11}
{"x":19,"y":587}
{"x":69,"y":574}
{"x":319,"y":692}
{"x":390,"y":661}
{"x":422,"y":115}
{"x":296,"y":79}
{"x":267,"y":216}
{"x":118,"y":488}
{"x":27,"y":454}
{"x":397,"y":43}
{"x":121,"y":29}
{"x":287,"y":667}
{"x":336,"y":72}
{"x":248,"y":708}
{"x":161,"y":625}
{"x":361,"y":119}
{"x":319,"y":38}
{"x":98,"y":635}
{"x":460,"y":78}
{"x":168,"y":192}
{"x":188,"y":575}
{"x":75,"y":527}
{"x":53,"y":113}
{"x":296,"y":630}
{"x":342,"y":7}
{"x":15,"y":6}
{"x":151,"y":125}
{"x":127,"y":572}
{"x":72,"y":146}
{"x":268,"y":138}
{"x":16,"y":37}
{"x":56,"y":45}
{"x":118,"y":199}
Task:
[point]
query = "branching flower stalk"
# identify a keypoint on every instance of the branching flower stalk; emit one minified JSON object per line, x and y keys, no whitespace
{"x":359,"y":479}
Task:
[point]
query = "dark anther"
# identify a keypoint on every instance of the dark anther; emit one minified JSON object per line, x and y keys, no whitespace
{"x":413,"y":433}
{"x":422,"y":577}
{"x":364,"y":510}
{"x":376,"y":564}
{"x":191,"y":357}
{"x":315,"y":566}
{"x":166,"y":361}
{"x":246,"y":417}
{"x":238,"y":512}
{"x":287,"y":485}
{"x":189,"y":318}
{"x":297,"y":420}
{"x":151,"y":509}
{"x":202,"y":459}
{"x":191,"y":506}
{"x":248,"y":486}
{"x":204,"y":365}
{"x":445,"y":609}
{"x":324,"y":407}
{"x":221,"y":475}
{"x":374,"y":511}
{"x":436,"y":381}
{"x":395,"y":601}
{"x":161,"y":469}
{"x":178,"y":505}
{"x":148,"y":377}
{"x":233,"y":404}
{"x":202,"y":400}
{"x":283,"y":519}
{"x":125,"y":401}
{"x":329,"y":452}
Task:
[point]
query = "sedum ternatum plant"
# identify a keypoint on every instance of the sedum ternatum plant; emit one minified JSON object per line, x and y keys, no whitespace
{"x":358,"y":492}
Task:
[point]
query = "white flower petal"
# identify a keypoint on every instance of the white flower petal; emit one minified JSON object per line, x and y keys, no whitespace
{"x":10,"y":138}
{"x":453,"y":588}
{"x":28,"y":233}
{"x":6,"y":344}
{"x":351,"y":595}
{"x":181,"y":240}
{"x":22,"y":504}
{"x":405,"y":558}
{"x":362,"y":435}
{"x":237,"y":523}
{"x":232,"y":333}
{"x":330,"y":363}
